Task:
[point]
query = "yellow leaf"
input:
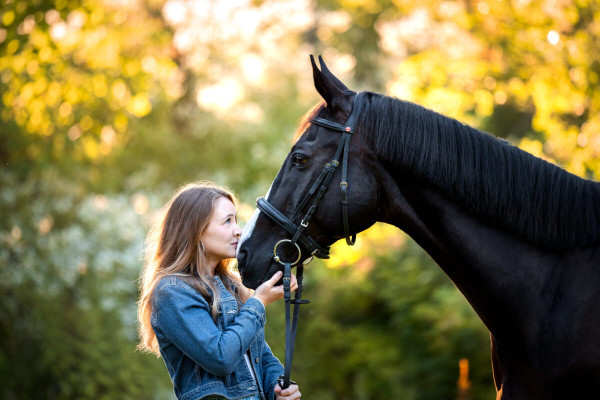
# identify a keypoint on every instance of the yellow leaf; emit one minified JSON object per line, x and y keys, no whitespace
{"x":8,"y":17}
{"x":139,"y":105}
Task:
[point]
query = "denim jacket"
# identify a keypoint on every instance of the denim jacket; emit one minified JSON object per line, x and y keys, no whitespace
{"x":204,"y":358}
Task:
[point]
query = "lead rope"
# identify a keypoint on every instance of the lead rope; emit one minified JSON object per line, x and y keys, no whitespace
{"x":291,"y":324}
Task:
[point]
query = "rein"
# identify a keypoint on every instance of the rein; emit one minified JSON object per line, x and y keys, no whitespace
{"x":291,"y":323}
{"x":316,"y":193}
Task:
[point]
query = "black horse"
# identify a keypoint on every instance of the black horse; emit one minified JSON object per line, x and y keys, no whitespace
{"x":518,"y":236}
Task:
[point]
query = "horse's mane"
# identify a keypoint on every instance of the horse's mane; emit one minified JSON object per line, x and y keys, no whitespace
{"x":487,"y":176}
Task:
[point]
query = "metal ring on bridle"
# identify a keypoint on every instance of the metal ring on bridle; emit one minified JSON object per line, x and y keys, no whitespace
{"x":276,"y":257}
{"x":307,"y":261}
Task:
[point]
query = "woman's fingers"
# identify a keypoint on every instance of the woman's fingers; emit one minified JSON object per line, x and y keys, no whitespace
{"x":293,"y":283}
{"x":274,"y":279}
{"x":291,"y":393}
{"x":268,"y":292}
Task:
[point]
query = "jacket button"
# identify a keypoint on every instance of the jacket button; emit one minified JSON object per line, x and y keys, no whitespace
{"x":256,"y":360}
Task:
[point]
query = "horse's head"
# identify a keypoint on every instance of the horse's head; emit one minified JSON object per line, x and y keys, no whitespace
{"x":297,"y":200}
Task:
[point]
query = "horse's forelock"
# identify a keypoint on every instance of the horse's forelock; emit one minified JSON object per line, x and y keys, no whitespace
{"x":304,"y":121}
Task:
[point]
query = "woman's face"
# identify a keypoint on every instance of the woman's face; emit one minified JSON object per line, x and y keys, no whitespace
{"x":221,"y":236}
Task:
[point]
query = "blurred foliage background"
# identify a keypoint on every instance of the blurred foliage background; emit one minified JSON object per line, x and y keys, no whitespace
{"x":107,"y":106}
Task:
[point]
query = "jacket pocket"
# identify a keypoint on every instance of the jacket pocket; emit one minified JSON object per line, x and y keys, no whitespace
{"x":228,"y":311}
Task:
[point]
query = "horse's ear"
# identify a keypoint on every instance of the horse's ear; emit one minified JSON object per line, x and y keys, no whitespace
{"x":328,"y":88}
{"x":329,"y":75}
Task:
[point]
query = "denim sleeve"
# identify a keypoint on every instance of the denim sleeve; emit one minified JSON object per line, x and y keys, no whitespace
{"x":184,"y":318}
{"x":271,"y":369}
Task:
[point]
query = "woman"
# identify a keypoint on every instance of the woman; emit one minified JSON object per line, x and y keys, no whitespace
{"x":195,"y":312}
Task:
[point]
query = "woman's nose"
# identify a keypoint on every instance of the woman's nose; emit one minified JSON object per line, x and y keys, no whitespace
{"x":237,"y":231}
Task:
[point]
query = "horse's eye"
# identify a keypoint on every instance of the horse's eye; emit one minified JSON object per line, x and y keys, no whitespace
{"x":299,"y":159}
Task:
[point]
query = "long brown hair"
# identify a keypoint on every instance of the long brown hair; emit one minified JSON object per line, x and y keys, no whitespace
{"x":173,"y":247}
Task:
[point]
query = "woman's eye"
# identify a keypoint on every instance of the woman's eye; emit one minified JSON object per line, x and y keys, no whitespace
{"x":299,"y":159}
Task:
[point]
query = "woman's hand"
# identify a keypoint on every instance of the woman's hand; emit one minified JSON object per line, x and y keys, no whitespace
{"x":291,"y":393}
{"x":268,"y":292}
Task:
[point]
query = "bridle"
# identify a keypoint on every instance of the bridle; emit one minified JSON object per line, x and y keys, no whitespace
{"x":316,"y":193}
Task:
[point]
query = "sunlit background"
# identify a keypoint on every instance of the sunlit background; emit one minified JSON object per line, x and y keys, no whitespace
{"x":107,"y":106}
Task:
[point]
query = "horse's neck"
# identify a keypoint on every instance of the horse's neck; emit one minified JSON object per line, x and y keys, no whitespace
{"x":481,"y":259}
